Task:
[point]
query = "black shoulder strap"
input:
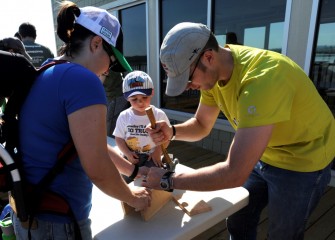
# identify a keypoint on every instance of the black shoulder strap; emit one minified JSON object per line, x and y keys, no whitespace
{"x":66,"y":155}
{"x":50,"y":64}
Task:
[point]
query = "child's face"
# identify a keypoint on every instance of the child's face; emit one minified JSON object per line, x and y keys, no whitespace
{"x":140,"y":102}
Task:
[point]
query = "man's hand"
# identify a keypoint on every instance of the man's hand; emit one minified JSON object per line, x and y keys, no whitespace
{"x":153,"y":178}
{"x":142,"y":171}
{"x":161,"y":133}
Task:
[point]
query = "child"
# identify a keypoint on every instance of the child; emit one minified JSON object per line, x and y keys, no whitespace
{"x":130,"y":135}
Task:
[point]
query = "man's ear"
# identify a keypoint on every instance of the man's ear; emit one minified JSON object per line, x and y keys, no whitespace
{"x":208,"y":56}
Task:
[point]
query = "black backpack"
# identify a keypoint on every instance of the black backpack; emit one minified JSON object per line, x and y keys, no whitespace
{"x":17,"y":77}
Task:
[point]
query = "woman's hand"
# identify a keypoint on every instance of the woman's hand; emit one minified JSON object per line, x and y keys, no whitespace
{"x":132,"y":157}
{"x":142,"y":198}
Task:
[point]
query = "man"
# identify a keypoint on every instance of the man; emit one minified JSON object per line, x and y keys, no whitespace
{"x":285,"y":133}
{"x":38,"y":52}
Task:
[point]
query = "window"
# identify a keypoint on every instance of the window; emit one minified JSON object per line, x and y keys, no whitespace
{"x":257,"y":23}
{"x":134,"y":36}
{"x":323,"y":65}
{"x":172,"y":13}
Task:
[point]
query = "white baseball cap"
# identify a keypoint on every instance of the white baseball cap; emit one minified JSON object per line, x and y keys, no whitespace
{"x":105,"y":25}
{"x":180,"y":47}
{"x":137,"y":82}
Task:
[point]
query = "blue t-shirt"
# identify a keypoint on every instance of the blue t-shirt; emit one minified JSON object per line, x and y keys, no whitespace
{"x":44,"y":130}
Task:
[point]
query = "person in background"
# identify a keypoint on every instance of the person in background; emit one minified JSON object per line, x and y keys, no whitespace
{"x":130,"y":136}
{"x":231,"y":38}
{"x":17,"y":35}
{"x":112,"y":82}
{"x":68,"y":102}
{"x":116,"y":103}
{"x":285,"y":133}
{"x":38,"y":52}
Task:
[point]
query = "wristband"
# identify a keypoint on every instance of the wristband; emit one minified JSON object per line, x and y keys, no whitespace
{"x":173,"y":133}
{"x":135,"y":172}
{"x":166,"y":182}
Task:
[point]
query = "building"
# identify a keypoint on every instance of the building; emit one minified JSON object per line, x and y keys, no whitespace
{"x":304,"y":30}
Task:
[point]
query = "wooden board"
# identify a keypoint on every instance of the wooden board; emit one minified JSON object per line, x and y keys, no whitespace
{"x":191,"y":205}
{"x":158,"y":200}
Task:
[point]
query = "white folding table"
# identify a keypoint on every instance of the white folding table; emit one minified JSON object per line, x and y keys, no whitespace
{"x":170,"y":222}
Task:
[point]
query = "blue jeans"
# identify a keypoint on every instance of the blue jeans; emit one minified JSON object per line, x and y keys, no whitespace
{"x":52,"y":230}
{"x":290,"y":196}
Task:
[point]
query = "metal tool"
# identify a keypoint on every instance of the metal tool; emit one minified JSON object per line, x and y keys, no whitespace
{"x":170,"y":164}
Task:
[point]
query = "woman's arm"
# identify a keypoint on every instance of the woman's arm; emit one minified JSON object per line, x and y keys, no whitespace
{"x":88,"y":131}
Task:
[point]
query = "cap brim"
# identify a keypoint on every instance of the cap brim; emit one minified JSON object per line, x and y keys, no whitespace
{"x":177,"y":85}
{"x":146,"y":92}
{"x":122,"y":64}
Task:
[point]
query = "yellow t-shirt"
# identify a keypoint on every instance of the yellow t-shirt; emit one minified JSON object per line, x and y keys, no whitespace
{"x":269,"y":88}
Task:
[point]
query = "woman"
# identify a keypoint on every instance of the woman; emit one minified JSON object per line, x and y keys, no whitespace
{"x":67,"y":101}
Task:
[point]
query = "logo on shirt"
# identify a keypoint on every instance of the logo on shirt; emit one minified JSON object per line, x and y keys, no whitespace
{"x":252,"y":110}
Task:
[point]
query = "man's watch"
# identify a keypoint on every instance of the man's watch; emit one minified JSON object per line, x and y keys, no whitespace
{"x":166,"y":182}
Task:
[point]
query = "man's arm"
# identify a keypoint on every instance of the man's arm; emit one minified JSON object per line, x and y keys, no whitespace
{"x":199,"y":126}
{"x":192,"y":130}
{"x":246,"y":149}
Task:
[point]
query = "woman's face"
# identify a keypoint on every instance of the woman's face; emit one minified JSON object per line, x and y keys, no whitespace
{"x":100,"y":58}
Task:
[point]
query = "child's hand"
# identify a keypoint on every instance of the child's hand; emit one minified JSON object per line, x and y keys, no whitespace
{"x":132,"y":157}
{"x":156,"y":158}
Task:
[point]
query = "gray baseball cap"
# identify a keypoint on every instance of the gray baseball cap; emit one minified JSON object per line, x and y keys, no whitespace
{"x":180,"y":47}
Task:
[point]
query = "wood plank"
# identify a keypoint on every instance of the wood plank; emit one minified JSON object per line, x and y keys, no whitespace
{"x":191,"y":205}
{"x":326,"y":203}
{"x":321,"y":223}
{"x":158,"y":199}
{"x":209,"y":160}
{"x":323,"y":228}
